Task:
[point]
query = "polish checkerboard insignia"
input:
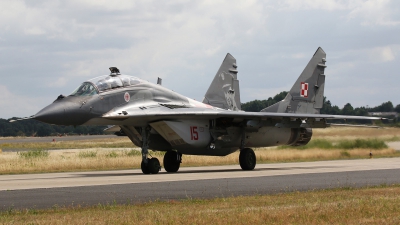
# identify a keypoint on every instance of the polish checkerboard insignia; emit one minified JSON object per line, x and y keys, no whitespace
{"x":304,"y":90}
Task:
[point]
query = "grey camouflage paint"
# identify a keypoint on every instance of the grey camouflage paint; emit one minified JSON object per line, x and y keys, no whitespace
{"x":224,"y":90}
{"x":313,"y":75}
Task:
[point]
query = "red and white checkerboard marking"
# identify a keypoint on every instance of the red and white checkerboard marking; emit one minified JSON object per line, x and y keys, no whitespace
{"x":304,"y":90}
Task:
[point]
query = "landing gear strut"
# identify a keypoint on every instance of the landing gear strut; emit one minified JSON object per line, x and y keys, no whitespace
{"x":172,"y":161}
{"x":148,"y":166}
{"x":247,"y":159}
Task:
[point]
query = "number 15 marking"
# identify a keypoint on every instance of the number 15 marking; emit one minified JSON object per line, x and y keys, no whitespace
{"x":194,"y":135}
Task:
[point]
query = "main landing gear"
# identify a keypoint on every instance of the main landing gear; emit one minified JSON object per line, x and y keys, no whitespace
{"x":247,"y":159}
{"x":172,"y":161}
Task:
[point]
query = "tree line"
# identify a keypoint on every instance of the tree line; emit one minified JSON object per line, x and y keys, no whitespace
{"x":37,"y":128}
{"x":327,"y":108}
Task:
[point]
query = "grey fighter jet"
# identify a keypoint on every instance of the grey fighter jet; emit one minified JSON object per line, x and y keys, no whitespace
{"x":156,"y":118}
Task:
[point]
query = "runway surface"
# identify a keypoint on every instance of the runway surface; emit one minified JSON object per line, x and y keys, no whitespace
{"x":131,"y":186}
{"x":395,"y":145}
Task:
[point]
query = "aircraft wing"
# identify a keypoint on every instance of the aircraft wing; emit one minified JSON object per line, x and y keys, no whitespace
{"x":143,"y":115}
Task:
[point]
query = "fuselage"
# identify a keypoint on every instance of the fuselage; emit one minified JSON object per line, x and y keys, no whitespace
{"x":110,"y":95}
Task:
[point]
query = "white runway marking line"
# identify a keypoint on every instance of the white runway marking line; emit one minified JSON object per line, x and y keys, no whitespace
{"x":75,"y":179}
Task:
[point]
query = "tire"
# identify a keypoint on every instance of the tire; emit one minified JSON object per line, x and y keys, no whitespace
{"x":172,"y":161}
{"x":247,"y":159}
{"x":145,"y":167}
{"x":154,"y":165}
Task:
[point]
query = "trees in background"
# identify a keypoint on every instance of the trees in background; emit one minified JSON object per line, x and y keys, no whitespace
{"x":328,"y":108}
{"x":36,"y":128}
{"x":257,"y":105}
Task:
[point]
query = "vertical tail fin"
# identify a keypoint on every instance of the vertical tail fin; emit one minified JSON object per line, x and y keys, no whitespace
{"x":224,"y":90}
{"x":307,"y":93}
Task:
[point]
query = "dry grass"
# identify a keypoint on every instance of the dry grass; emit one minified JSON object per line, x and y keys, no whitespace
{"x":117,"y":142}
{"x":340,"y":133}
{"x":379,"y":205}
{"x":112,"y":153}
{"x":111,"y":159}
{"x":68,"y":160}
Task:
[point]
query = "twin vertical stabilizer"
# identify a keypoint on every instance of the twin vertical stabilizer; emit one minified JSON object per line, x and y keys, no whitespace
{"x":307,"y":93}
{"x":224,"y":90}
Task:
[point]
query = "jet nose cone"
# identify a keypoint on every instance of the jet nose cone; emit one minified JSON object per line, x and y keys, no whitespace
{"x":53,"y":114}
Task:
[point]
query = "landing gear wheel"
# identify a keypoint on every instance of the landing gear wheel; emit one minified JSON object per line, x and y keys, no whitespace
{"x":172,"y":161}
{"x":153,"y":165}
{"x":247,"y":159}
{"x":145,"y":167}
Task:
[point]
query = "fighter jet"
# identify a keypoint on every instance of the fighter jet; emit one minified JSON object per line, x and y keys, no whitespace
{"x":156,"y":118}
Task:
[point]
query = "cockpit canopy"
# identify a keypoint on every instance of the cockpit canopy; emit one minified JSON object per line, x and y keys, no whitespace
{"x":104,"y":83}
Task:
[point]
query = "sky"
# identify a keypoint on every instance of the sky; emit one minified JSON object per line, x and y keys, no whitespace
{"x":50,"y":47}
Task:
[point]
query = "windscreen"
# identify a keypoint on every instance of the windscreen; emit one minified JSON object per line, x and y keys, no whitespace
{"x":86,"y":89}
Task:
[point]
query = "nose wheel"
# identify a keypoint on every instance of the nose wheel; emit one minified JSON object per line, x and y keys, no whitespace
{"x":151,"y":167}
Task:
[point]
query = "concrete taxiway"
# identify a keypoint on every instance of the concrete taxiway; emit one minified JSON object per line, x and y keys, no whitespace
{"x":122,"y":186}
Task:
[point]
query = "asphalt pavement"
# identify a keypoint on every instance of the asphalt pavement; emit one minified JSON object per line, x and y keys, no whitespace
{"x":131,"y":186}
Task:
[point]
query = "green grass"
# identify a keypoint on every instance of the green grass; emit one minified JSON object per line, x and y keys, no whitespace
{"x":34,"y":154}
{"x":112,"y":154}
{"x":394,"y":138}
{"x":361,"y":143}
{"x":87,"y":154}
{"x":133,"y":152}
{"x":343,"y":144}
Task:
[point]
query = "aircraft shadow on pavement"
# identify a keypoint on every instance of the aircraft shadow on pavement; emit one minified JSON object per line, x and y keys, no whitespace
{"x":201,"y":171}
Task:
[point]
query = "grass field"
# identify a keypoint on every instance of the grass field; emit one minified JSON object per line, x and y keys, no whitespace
{"x":118,"y":142}
{"x":105,"y":159}
{"x":118,"y":153}
{"x":340,"y":133}
{"x":377,"y":205}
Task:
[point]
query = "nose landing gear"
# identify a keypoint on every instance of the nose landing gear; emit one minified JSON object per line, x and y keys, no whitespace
{"x":151,"y":167}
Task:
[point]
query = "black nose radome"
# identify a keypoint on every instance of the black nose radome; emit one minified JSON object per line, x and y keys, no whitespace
{"x":63,"y":113}
{"x":53,"y":114}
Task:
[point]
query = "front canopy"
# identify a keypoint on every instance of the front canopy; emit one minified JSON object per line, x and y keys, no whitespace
{"x":105,"y":83}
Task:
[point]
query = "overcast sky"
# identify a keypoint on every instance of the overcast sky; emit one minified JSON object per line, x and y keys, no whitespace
{"x":50,"y":47}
